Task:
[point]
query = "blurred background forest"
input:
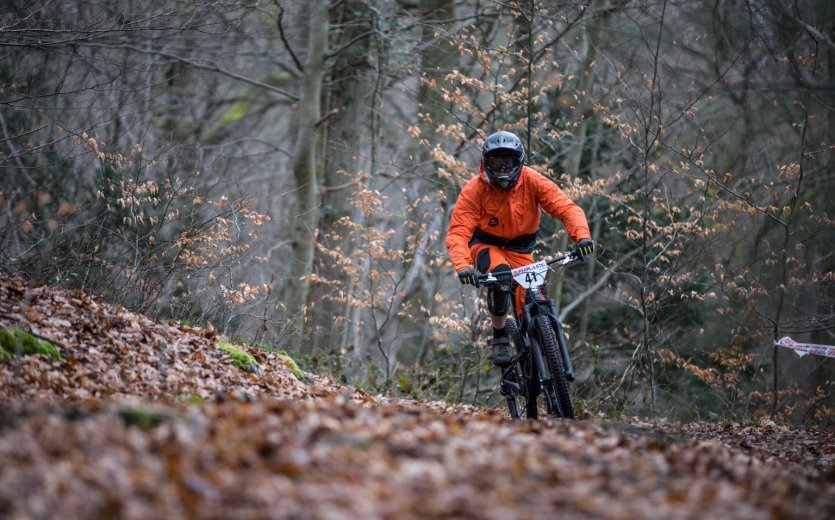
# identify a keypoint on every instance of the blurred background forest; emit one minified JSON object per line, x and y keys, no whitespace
{"x":284,"y":173}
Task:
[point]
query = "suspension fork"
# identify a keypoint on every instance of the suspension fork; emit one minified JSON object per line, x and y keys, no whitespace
{"x":531,"y":341}
{"x":536,"y":350}
{"x":555,"y":322}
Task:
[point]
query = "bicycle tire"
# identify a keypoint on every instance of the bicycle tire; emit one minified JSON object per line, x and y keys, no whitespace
{"x":514,"y":407}
{"x":559,"y":382}
{"x":552,"y":406}
{"x":523,"y":369}
{"x":510,"y":388}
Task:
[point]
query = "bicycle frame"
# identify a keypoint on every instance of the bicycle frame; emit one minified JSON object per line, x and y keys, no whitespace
{"x":536,"y":305}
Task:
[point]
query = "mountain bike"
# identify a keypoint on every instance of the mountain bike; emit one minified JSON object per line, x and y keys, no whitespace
{"x":541,"y":365}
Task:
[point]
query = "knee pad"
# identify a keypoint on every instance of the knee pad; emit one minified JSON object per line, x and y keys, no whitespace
{"x":498,"y":296}
{"x":497,"y":301}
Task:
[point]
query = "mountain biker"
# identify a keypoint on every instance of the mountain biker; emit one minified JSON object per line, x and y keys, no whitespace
{"x":495,"y":222}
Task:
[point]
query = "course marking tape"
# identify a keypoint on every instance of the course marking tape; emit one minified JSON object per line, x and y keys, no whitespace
{"x":801,"y":349}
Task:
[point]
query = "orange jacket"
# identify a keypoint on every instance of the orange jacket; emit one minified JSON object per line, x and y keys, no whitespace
{"x":510,"y":219}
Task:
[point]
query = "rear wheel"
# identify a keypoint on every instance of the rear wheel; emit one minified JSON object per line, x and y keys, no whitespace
{"x":511,"y":389}
{"x":559,"y":383}
{"x":512,"y":403}
{"x":512,"y":386}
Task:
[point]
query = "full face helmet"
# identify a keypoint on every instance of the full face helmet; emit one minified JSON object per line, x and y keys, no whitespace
{"x":503,"y":156}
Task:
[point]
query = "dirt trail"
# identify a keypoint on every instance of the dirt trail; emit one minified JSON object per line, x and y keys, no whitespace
{"x":140,"y":419}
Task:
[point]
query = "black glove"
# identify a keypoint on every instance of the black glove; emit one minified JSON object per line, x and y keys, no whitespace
{"x":468,"y":277}
{"x":583,"y":248}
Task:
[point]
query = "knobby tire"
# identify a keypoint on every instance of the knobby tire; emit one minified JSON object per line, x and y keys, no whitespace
{"x":511,"y":394}
{"x":548,"y":340}
{"x":513,"y":406}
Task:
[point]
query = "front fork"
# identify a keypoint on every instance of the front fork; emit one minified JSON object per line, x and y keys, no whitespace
{"x":531,"y":344}
{"x":555,"y":323}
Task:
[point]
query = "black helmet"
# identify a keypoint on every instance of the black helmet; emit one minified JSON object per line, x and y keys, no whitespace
{"x":503,"y":156}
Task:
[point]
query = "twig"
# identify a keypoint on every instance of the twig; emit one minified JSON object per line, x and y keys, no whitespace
{"x":284,"y":37}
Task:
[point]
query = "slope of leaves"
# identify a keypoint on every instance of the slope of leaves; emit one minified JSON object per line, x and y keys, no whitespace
{"x":109,"y":430}
{"x":109,"y":352}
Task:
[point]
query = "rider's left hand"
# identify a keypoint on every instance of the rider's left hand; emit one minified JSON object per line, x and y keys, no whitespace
{"x":584,"y":248}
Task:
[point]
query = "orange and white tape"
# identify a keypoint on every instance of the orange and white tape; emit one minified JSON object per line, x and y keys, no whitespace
{"x":801,"y":349}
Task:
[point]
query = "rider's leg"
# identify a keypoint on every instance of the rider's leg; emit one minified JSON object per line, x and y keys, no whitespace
{"x":498,"y":300}
{"x":489,"y":258}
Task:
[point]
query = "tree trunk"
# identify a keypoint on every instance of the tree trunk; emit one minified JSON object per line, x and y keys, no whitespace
{"x":305,"y":218}
{"x":436,"y":60}
{"x":346,"y":145}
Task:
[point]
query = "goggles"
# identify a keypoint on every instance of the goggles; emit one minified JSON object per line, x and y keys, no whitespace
{"x":502,"y":163}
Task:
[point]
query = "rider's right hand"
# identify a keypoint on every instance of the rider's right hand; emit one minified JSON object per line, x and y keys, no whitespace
{"x":583,"y":248}
{"x":468,"y":276}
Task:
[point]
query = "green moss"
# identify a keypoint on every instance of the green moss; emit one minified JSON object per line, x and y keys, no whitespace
{"x":16,"y":342}
{"x":196,"y":399}
{"x":240,"y":358}
{"x":283,"y":355}
{"x":293,"y":366}
{"x":8,"y":342}
{"x":141,"y":417}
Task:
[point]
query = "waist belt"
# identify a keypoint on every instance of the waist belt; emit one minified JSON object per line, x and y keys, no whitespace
{"x":518,"y":244}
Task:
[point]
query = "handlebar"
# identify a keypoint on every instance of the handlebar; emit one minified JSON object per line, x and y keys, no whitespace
{"x":563,"y":259}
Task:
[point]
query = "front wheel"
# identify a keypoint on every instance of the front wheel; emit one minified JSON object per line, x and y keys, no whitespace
{"x":548,"y":341}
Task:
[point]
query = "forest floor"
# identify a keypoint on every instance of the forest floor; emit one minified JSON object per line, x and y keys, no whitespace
{"x":142,"y":419}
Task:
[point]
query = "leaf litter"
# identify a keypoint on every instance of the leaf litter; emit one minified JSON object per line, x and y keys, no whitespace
{"x":141,"y":419}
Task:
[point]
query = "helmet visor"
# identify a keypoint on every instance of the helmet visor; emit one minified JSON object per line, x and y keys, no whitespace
{"x":500,"y":164}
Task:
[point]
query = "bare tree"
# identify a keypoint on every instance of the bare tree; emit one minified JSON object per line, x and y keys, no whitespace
{"x":306,"y":162}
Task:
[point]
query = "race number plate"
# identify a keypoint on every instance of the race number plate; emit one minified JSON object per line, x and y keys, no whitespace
{"x":531,"y":275}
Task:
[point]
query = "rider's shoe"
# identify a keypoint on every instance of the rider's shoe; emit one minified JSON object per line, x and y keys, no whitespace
{"x":502,"y":356}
